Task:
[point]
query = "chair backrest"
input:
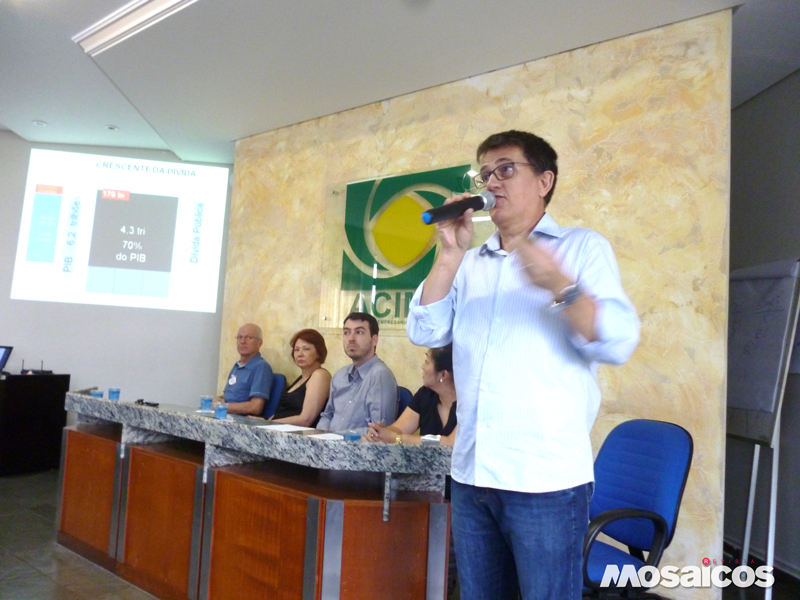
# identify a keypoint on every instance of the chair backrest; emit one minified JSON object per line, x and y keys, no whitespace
{"x":275,"y":393}
{"x":404,"y":396}
{"x":642,"y":464}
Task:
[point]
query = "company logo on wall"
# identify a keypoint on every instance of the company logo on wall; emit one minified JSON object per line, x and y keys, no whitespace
{"x":388,"y":250}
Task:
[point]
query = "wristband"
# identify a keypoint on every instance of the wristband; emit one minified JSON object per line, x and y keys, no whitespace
{"x":398,"y":439}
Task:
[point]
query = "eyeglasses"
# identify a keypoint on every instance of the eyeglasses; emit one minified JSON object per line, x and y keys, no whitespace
{"x":141,"y":402}
{"x":502,"y":172}
{"x":249,"y":338}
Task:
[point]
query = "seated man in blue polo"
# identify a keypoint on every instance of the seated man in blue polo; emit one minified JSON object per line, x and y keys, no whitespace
{"x":366,"y":391}
{"x":250,"y":379}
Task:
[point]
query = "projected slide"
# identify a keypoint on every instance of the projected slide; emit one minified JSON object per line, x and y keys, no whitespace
{"x":105,"y":230}
{"x":124,"y":259}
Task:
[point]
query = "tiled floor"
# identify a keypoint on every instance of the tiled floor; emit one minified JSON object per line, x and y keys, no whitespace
{"x":32,"y":565}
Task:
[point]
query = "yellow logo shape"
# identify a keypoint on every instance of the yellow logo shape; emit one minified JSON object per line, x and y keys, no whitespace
{"x":400,"y":234}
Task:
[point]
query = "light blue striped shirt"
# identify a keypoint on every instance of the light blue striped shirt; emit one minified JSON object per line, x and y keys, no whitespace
{"x":525,"y":382}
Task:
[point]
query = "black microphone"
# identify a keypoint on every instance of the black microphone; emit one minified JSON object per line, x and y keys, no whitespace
{"x":483,"y":201}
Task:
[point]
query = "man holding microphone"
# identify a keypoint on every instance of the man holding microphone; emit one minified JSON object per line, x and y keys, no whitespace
{"x":531,"y":313}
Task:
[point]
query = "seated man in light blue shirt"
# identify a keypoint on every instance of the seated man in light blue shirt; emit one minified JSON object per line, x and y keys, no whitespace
{"x":250,"y":379}
{"x":366,"y":391}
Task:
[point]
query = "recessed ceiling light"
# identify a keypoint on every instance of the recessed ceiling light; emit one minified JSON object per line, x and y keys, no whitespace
{"x":112,"y":127}
{"x":39,"y":123}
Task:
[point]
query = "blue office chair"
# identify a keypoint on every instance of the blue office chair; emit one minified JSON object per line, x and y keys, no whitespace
{"x":404,"y":396}
{"x":640,"y":474}
{"x":275,"y":393}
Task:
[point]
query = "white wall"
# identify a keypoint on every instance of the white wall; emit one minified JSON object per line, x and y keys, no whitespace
{"x":765,"y":227}
{"x":160,"y":355}
{"x":765,"y":176}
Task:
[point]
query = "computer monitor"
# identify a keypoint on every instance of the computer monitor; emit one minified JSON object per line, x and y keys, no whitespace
{"x":5,"y":352}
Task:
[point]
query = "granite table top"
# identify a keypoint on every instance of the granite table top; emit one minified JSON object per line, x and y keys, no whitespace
{"x":242,"y":439}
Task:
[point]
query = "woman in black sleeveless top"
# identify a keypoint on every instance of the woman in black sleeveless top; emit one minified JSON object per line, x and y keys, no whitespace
{"x":432,"y":411}
{"x":303,"y":401}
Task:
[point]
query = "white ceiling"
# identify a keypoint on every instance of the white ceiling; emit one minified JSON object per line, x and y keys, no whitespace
{"x":222,"y":70}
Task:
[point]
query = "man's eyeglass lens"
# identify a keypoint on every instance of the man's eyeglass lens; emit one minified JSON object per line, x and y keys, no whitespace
{"x":502,"y":172}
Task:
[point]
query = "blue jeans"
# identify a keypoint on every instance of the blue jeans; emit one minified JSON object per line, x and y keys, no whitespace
{"x":509,"y":543}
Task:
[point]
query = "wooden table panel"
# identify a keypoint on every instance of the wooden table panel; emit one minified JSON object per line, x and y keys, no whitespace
{"x":258,"y":544}
{"x":257,"y":541}
{"x":158,"y":520}
{"x":384,"y":559}
{"x":88,"y":488}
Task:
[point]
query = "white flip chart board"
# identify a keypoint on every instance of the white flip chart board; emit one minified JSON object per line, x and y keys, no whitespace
{"x":762,"y":322}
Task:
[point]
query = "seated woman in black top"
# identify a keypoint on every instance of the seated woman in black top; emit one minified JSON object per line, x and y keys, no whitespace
{"x":303,"y":401}
{"x":433,"y":408}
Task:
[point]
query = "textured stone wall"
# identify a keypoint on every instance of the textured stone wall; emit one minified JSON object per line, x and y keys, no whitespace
{"x":642,"y":127}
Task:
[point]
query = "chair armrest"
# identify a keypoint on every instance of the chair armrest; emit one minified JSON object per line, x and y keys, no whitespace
{"x":603,"y":519}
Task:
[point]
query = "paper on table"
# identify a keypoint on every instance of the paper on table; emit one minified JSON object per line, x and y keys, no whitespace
{"x":205,"y":412}
{"x":327,"y":436}
{"x":285,"y":427}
